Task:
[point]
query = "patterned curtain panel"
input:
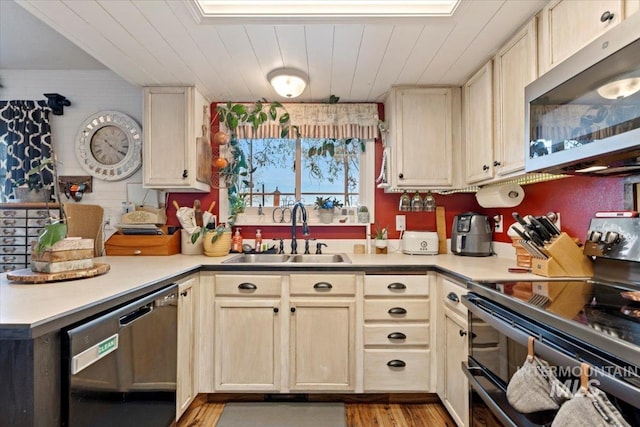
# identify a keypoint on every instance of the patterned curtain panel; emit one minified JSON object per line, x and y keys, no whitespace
{"x":25,"y":139}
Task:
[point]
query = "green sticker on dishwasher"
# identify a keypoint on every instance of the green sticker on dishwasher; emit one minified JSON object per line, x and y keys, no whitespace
{"x":107,"y":345}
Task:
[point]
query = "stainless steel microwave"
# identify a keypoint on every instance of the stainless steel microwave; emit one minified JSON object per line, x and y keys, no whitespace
{"x":583,"y":116}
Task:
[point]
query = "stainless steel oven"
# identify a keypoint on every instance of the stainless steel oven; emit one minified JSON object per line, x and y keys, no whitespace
{"x":595,"y":321}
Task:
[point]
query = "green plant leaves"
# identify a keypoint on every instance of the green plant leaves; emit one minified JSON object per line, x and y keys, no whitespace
{"x":51,"y":234}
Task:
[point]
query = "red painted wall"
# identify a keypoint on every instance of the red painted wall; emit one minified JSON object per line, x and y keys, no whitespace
{"x":576,"y":198}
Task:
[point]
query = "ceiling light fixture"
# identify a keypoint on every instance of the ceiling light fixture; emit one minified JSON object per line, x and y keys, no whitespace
{"x":620,"y":88}
{"x":288,"y":82}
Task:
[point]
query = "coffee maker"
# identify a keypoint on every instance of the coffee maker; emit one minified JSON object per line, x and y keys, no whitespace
{"x":471,"y":235}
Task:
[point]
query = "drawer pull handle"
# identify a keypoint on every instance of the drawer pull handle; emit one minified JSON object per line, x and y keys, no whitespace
{"x":453,"y":297}
{"x":397,"y":336}
{"x":9,"y":258}
{"x":9,"y":231}
{"x":322,"y":286}
{"x":247,"y":286}
{"x":8,"y":241}
{"x":8,"y":250}
{"x":137,"y":252}
{"x":397,"y":310}
{"x":396,"y":363}
{"x":9,"y":222}
{"x":395,"y":286}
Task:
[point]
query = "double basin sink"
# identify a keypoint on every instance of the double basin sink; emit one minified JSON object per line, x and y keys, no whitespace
{"x":289,"y":259}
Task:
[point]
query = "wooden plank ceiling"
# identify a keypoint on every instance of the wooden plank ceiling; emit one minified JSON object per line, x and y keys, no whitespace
{"x":159,"y":42}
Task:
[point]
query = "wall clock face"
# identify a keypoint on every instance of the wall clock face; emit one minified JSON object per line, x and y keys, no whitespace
{"x":109,"y":145}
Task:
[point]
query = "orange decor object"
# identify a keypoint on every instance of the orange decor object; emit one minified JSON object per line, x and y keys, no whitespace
{"x":220,"y":138}
{"x":220,"y":163}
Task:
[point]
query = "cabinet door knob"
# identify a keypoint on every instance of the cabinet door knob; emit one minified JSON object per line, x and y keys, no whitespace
{"x":397,"y":310}
{"x":496,"y":163}
{"x":293,"y":309}
{"x":247,"y":286}
{"x":453,"y":297}
{"x":276,"y":309}
{"x":322,"y":286}
{"x":401,"y":176}
{"x":185,"y":173}
{"x":397,"y":336}
{"x":462,"y":333}
{"x":606,"y":16}
{"x":396,"y":286}
{"x":396,"y":363}
{"x":184,"y":293}
{"x":485,"y":167}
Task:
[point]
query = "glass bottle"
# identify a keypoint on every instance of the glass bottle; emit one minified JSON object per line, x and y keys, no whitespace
{"x":405,"y":202}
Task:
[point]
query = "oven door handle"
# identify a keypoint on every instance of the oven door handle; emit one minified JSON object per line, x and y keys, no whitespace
{"x":470,"y":373}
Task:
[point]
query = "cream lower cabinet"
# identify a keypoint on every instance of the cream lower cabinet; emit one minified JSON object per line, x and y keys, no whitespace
{"x":322,"y":332}
{"x":247,"y":324}
{"x":452,"y":342}
{"x":187,"y":380}
{"x":397,"y":334}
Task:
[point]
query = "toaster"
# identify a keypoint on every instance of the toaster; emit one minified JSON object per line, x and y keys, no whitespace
{"x":420,"y":243}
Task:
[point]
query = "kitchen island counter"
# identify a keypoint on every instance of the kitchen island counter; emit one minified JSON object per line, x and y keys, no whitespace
{"x":28,"y":310}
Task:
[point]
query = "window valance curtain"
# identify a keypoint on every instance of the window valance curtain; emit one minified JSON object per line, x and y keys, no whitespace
{"x":339,"y":121}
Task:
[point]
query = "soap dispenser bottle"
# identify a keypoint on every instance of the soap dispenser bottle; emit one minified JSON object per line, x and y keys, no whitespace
{"x":236,"y":241}
{"x":258,"y":246}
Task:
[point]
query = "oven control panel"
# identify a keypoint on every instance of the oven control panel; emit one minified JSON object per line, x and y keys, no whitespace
{"x":615,"y":238}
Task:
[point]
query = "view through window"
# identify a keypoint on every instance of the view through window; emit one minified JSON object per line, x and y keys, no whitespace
{"x":328,"y":168}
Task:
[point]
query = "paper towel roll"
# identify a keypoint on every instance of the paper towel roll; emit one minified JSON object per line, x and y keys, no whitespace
{"x":500,"y":196}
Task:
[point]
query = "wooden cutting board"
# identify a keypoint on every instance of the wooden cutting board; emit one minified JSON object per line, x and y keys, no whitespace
{"x":441,"y":228}
{"x":31,"y":277}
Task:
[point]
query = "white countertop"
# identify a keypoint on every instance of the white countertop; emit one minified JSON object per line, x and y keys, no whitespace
{"x":28,"y":305}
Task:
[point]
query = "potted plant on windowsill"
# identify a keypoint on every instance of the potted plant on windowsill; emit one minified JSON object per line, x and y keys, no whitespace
{"x":325,"y":207}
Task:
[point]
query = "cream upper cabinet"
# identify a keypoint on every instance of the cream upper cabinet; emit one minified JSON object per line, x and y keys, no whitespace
{"x":186,"y":385}
{"x":568,"y":25}
{"x":477,"y":102}
{"x":515,"y":66}
{"x":423,"y":124}
{"x":173,"y":120}
{"x":322,"y":332}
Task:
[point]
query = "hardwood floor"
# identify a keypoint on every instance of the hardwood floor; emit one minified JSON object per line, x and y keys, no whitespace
{"x":203,"y":413}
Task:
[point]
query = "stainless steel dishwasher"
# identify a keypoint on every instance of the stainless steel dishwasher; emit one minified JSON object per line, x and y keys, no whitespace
{"x":121,"y":366}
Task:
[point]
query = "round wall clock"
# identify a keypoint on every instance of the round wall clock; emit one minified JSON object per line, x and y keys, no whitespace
{"x":109,"y":145}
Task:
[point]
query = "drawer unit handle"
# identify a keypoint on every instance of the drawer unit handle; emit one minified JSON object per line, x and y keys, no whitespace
{"x":397,"y":336}
{"x":246,"y":286}
{"x":395,"y":286}
{"x":322,"y":286}
{"x":396,"y":363}
{"x":9,"y":231}
{"x":9,"y":222}
{"x":10,"y":241}
{"x":137,"y":252}
{"x":397,"y":310}
{"x":453,"y":297}
{"x":10,"y":213}
{"x":9,"y":258}
{"x":8,"y":250}
{"x":41,"y":221}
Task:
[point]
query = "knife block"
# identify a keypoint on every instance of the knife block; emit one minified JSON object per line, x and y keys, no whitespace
{"x":565,"y":260}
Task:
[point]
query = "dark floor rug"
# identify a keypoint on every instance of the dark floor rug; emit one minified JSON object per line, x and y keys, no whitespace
{"x":282,"y":414}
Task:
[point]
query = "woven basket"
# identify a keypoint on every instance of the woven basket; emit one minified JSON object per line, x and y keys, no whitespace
{"x":220,"y":247}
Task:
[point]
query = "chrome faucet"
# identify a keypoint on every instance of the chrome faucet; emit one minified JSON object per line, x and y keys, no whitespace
{"x":305,"y":227}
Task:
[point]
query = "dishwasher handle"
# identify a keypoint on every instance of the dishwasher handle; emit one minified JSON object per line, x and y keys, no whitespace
{"x":136,"y":314}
